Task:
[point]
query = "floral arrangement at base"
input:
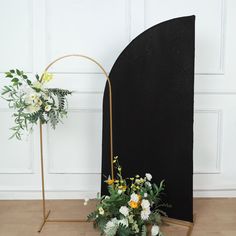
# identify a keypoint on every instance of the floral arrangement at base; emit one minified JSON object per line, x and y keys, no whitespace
{"x":33,"y":102}
{"x":133,"y":206}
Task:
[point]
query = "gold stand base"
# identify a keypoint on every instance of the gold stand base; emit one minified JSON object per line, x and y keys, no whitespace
{"x":166,"y":220}
{"x":48,"y":220}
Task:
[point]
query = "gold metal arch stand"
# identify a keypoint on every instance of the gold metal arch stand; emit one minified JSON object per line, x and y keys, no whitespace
{"x":46,"y":212}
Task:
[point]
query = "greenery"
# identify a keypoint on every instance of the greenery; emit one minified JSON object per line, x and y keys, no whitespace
{"x":132,"y":205}
{"x":33,"y":102}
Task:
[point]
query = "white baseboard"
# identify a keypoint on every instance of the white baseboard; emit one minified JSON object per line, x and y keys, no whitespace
{"x":215,"y":193}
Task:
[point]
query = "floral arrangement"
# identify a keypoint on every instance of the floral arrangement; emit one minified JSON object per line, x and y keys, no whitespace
{"x":33,"y":102}
{"x":131,"y":208}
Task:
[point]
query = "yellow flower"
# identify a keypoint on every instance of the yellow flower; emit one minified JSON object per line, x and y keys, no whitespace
{"x":133,"y":204}
{"x":47,"y":77}
{"x":122,"y":187}
{"x":109,"y":181}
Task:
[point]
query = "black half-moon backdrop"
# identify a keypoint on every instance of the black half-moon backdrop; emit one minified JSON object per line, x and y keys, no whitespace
{"x":153,"y":86}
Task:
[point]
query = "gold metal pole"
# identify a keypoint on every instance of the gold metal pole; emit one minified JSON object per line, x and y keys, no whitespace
{"x":42,"y":168}
{"x":45,"y":216}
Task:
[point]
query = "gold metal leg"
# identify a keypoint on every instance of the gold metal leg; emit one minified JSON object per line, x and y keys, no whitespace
{"x":44,"y":221}
{"x":45,"y":216}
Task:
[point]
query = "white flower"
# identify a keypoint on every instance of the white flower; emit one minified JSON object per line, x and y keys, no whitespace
{"x":134,"y":197}
{"x":148,"y":184}
{"x":135,"y":227}
{"x":145,"y":213}
{"x":37,"y":85}
{"x":30,"y":98}
{"x":107,"y":197}
{"x":111,"y":227}
{"x":145,"y":204}
{"x":33,"y":108}
{"x":33,"y":102}
{"x":123,"y":222}
{"x":155,"y":230}
{"x":124,"y":210}
{"x":47,"y":108}
{"x":148,"y":176}
{"x":120,"y":191}
{"x":131,"y":219}
{"x":101,"y":211}
{"x":145,"y":195}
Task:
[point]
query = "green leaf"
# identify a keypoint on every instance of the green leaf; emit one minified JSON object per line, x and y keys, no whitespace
{"x":28,"y":82}
{"x":18,"y":72}
{"x":8,"y":75}
{"x":37,"y":77}
{"x":123,"y":231}
{"x":15,"y":80}
{"x":144,"y":230}
{"x":12,"y":71}
{"x":25,"y":76}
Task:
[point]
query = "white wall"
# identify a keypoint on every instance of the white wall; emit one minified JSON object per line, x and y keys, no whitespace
{"x":34,"y":32}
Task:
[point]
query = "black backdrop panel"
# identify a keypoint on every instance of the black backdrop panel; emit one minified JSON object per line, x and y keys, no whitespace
{"x":152,"y":85}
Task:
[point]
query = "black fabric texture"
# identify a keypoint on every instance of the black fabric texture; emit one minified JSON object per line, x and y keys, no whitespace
{"x":153,"y":87}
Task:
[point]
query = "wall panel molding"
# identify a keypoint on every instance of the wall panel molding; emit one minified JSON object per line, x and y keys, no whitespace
{"x":14,"y":54}
{"x":220,"y":68}
{"x":29,"y":168}
{"x":52,"y":169}
{"x":83,"y":69}
{"x":218,"y":158}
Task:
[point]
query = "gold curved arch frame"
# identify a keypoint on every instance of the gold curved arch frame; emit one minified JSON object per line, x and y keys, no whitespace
{"x":46,"y":214}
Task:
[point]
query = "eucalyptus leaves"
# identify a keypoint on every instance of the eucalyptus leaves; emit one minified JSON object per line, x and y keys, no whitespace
{"x":33,"y":102}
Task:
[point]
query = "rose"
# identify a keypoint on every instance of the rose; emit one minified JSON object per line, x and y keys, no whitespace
{"x":145,"y":213}
{"x":145,"y":204}
{"x":155,"y":230}
{"x":124,"y":210}
{"x":134,"y":197}
{"x":111,"y":227}
{"x":148,"y":176}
